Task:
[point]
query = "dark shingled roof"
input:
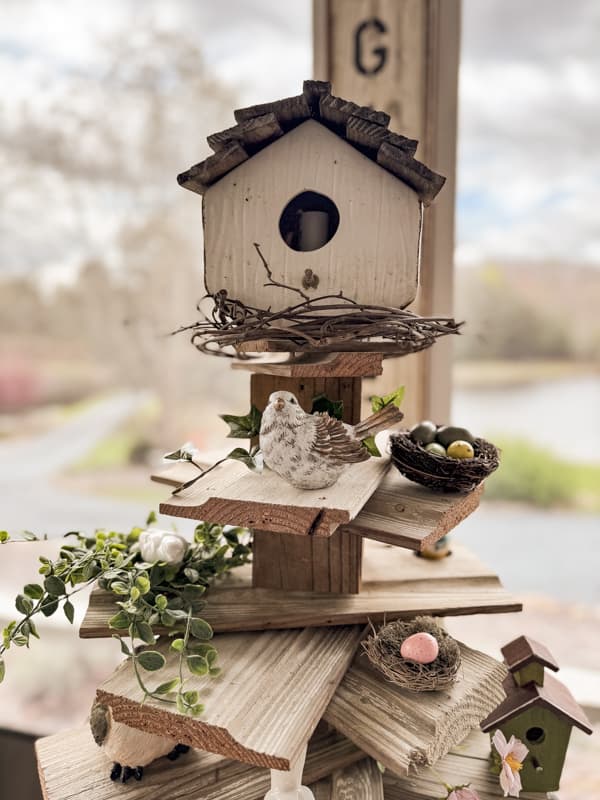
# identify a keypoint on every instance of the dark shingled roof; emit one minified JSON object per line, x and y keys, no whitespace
{"x":366,"y":130}
{"x":522,"y":651}
{"x":553,"y":695}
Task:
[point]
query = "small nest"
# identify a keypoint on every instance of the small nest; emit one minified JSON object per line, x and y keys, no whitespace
{"x":441,"y":473}
{"x":383,"y":650}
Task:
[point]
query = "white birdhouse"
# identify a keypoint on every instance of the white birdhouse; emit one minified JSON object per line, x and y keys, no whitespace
{"x":332,"y":198}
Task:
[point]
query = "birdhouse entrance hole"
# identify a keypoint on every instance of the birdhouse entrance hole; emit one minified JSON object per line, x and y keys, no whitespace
{"x":535,"y":735}
{"x":309,"y":221}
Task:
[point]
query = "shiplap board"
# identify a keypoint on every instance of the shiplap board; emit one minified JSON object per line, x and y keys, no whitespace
{"x":263,"y":707}
{"x":73,"y":767}
{"x":408,"y":730}
{"x":396,"y":584}
{"x":232,"y":494}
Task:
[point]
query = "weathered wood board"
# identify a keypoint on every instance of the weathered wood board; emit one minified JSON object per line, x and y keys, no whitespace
{"x":395,"y":584}
{"x":399,"y":512}
{"x":405,"y":730}
{"x":360,"y":781}
{"x":328,"y":365}
{"x":467,"y":762}
{"x":405,"y":514}
{"x":73,"y":767}
{"x":232,"y":494}
{"x":264,"y":706}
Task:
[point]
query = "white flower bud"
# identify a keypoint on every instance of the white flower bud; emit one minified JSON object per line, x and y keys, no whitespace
{"x":156,"y":545}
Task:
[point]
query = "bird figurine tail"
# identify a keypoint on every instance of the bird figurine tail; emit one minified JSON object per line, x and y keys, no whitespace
{"x":379,"y":421}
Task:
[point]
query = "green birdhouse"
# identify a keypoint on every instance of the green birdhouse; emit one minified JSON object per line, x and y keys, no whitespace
{"x":539,"y":710}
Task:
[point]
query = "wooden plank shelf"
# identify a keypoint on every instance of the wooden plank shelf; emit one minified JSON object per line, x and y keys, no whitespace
{"x":72,"y":767}
{"x":466,"y":762}
{"x":396,"y":584}
{"x":232,"y":494}
{"x":405,"y":730}
{"x":399,"y":512}
{"x":315,"y":365}
{"x":264,"y":706}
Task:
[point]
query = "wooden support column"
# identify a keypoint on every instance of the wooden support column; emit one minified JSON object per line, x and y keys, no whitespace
{"x":308,"y":563}
{"x":401,"y":56}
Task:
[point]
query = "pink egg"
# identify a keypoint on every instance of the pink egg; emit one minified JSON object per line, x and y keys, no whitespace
{"x":420,"y":647}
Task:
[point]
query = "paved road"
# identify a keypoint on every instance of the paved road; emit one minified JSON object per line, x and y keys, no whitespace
{"x":28,"y":498}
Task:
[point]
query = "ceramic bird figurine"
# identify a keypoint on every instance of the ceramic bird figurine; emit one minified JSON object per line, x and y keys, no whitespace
{"x":129,"y":749}
{"x":311,"y":451}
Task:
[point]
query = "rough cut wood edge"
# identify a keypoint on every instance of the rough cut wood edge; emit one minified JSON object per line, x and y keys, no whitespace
{"x":329,"y":365}
{"x":251,"y":133}
{"x":466,"y":762}
{"x":72,"y":767}
{"x":263,"y":707}
{"x":200,"y":176}
{"x":396,"y":585}
{"x":232,"y":495}
{"x":405,"y":514}
{"x":405,"y":730}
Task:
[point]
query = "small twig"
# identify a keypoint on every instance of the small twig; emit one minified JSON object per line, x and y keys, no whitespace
{"x":272,"y":281}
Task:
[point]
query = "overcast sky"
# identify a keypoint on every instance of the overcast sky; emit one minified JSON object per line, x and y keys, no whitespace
{"x":529,"y":159}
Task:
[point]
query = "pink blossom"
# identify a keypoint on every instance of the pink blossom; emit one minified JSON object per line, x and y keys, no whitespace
{"x":463,"y":793}
{"x":512,"y":755}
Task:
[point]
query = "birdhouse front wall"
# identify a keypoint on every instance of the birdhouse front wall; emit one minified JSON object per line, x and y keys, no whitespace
{"x":547,"y":737}
{"x":371,"y":256}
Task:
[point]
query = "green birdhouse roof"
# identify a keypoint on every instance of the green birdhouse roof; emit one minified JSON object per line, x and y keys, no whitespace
{"x":523,"y":651}
{"x":553,"y":695}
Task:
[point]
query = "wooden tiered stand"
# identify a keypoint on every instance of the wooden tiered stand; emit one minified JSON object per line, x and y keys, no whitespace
{"x":325,"y":563}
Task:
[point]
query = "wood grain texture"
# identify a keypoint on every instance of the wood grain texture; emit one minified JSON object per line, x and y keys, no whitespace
{"x":231,"y":494}
{"x":466,"y":762}
{"x":264,"y":706}
{"x":371,"y":257}
{"x":360,"y":781}
{"x":405,"y":730}
{"x":313,"y":563}
{"x":329,"y":365}
{"x":396,"y":585}
{"x":405,"y":514}
{"x":417,"y":86}
{"x":73,"y":767}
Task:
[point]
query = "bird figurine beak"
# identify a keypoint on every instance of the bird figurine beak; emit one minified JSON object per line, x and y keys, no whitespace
{"x":279,"y":404}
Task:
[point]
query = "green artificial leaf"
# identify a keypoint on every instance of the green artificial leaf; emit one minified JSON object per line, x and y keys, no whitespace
{"x":371,"y":447}
{"x":200,"y":629}
{"x":211,"y":656}
{"x":191,"y":574}
{"x":178,"y":645}
{"x":23,"y":604}
{"x":167,"y":686}
{"x":123,"y":645}
{"x":151,"y":660}
{"x":151,"y":519}
{"x":29,"y":536}
{"x":134,"y":593}
{"x":214,"y":672}
{"x":246,"y":427}
{"x":4,"y":537}
{"x":69,"y":611}
{"x":142,"y":583}
{"x":161,"y":602}
{"x":2,"y":669}
{"x":249,"y":458}
{"x":33,"y":629}
{"x":393,"y":398}
{"x":200,"y":648}
{"x":49,"y":607}
{"x":321,"y":403}
{"x":119,"y":587}
{"x":54,"y":585}
{"x":119,"y":622}
{"x":193,"y":592}
{"x":191,"y":697}
{"x":144,"y":632}
{"x":198,"y":665}
{"x":181,"y":707}
{"x":196,"y":710}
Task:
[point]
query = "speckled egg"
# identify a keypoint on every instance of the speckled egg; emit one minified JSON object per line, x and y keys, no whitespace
{"x":422,"y":648}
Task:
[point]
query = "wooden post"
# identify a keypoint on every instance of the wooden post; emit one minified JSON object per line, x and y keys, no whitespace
{"x":308,"y":563}
{"x":401,"y":56}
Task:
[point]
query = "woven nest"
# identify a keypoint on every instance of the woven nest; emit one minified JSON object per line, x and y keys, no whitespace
{"x":383,"y":651}
{"x":442,"y":473}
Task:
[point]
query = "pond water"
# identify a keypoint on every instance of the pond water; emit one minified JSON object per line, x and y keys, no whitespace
{"x":560,"y":415}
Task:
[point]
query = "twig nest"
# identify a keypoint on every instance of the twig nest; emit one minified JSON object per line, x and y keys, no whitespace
{"x":396,"y":651}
